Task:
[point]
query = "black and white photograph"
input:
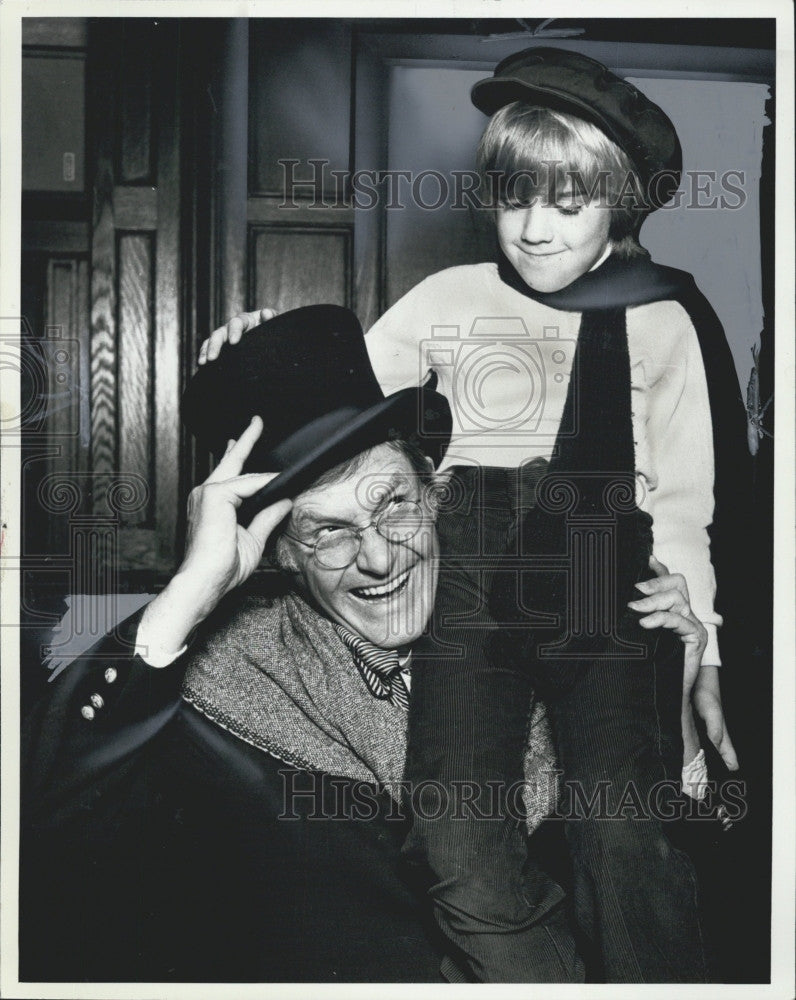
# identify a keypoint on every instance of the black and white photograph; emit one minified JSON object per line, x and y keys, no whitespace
{"x":397,"y":499}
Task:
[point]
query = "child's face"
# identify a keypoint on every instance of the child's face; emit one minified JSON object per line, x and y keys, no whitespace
{"x":549,"y":244}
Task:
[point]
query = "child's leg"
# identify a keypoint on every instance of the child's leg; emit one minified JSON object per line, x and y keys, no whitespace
{"x":618,"y":741}
{"x":467,"y":731}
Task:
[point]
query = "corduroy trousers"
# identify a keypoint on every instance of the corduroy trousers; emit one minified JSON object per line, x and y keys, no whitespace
{"x":617,"y":736}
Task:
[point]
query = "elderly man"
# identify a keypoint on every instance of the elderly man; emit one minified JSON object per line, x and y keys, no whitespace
{"x":214,"y":793}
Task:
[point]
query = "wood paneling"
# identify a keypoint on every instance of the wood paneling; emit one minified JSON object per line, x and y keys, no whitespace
{"x":299,"y":266}
{"x":53,"y":131}
{"x":168,"y":330}
{"x":300,"y":100}
{"x":230,"y":86}
{"x":103,"y":337}
{"x":135,"y":279}
{"x":134,"y":416}
{"x":66,"y":287}
{"x":54,"y":237}
{"x":134,"y":129}
{"x":135,"y":207}
{"x":370,"y":154}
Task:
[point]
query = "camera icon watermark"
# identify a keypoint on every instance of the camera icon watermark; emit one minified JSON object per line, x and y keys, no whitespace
{"x":48,"y":369}
{"x":499,"y":378}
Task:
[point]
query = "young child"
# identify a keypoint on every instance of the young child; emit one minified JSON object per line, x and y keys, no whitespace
{"x":576,"y":372}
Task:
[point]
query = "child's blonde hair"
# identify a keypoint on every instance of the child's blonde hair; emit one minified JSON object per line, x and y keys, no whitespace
{"x":527,"y":151}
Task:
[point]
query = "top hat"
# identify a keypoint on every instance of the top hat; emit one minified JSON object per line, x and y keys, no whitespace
{"x":308,"y":375}
{"x":567,"y":81}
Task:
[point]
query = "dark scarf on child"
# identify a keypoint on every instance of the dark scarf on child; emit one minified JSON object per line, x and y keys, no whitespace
{"x":586,"y":512}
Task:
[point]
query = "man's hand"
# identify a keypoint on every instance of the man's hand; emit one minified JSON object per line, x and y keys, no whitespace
{"x":220,"y":554}
{"x":232,"y":331}
{"x":667,"y":605}
{"x":707,"y":702}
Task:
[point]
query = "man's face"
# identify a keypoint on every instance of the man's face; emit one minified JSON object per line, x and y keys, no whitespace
{"x":386,"y":594}
{"x":551,"y":244}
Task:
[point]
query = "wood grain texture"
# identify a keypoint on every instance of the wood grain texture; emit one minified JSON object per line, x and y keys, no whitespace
{"x":230,"y":163}
{"x":135,"y":364}
{"x":63,"y":362}
{"x":83,"y":335}
{"x":103,"y":263}
{"x":294,"y":267}
{"x":168,"y":328}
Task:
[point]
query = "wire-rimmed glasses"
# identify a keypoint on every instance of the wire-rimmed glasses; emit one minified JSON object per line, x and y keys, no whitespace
{"x":338,"y":547}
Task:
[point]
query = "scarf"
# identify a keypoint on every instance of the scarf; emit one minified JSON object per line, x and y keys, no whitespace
{"x":586,"y":511}
{"x":618,"y":284}
{"x":277,"y":675}
{"x":280,"y":677}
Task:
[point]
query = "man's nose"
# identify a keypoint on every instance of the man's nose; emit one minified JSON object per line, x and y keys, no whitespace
{"x":536,"y":224}
{"x":375,"y":553}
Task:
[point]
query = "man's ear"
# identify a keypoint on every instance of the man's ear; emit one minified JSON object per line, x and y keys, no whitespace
{"x":279,"y":555}
{"x":436,"y":489}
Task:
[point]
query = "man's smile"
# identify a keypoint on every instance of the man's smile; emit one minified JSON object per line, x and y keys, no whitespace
{"x":383,"y":590}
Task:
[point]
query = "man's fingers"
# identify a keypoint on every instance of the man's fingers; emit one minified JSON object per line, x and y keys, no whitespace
{"x":667,"y":581}
{"x":247,"y":486}
{"x":244,"y":322}
{"x":716,"y":728}
{"x":685,"y":627}
{"x":720,"y":739}
{"x":234,"y":457}
{"x":267,"y":519}
{"x":210,"y":348}
{"x":664,"y":600}
{"x":657,"y":567}
{"x":232,"y":331}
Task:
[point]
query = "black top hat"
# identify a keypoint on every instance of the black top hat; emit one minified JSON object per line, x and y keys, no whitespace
{"x":567,"y":81}
{"x":308,"y":375}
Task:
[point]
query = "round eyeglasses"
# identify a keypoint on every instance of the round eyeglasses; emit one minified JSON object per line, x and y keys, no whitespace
{"x":337,"y":548}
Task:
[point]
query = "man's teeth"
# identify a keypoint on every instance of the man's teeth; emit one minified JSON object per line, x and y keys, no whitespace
{"x":385,"y":588}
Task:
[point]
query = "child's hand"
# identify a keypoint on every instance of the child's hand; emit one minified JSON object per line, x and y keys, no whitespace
{"x":232,"y":331}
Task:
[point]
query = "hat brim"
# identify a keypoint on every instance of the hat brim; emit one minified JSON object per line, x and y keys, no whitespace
{"x":345,"y":433}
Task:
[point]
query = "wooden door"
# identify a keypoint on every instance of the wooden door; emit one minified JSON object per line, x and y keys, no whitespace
{"x":101,"y":297}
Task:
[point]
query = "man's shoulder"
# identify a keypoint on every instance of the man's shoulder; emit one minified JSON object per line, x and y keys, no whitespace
{"x":242,"y":619}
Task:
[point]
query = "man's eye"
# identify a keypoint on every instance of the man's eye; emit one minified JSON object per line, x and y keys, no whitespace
{"x":328,"y":529}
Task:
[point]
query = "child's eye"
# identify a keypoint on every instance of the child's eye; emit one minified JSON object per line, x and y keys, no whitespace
{"x":570,"y":209}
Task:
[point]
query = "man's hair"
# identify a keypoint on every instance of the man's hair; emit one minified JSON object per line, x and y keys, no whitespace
{"x":527,"y":152}
{"x":277,"y":551}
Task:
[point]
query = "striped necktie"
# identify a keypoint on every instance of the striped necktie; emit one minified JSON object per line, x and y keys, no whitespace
{"x":380,"y":668}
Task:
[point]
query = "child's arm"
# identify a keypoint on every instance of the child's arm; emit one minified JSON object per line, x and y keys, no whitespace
{"x":394,"y":342}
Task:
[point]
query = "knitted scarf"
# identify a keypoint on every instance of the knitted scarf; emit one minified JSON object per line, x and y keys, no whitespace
{"x":277,"y":675}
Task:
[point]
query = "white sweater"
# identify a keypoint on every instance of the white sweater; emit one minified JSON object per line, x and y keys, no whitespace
{"x":503,"y":361}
